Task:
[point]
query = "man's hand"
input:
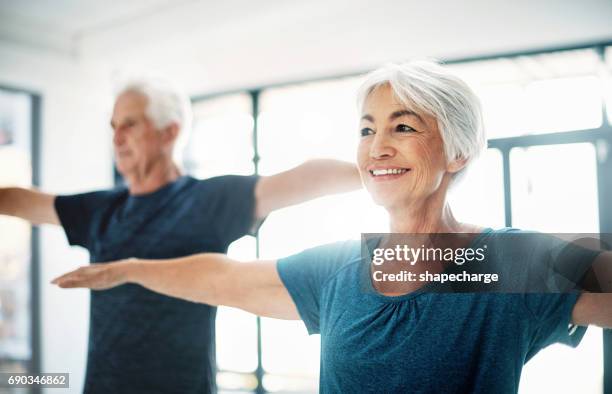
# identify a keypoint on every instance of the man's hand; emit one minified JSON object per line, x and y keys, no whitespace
{"x":310,"y":180}
{"x":596,"y":308}
{"x":95,"y":276}
{"x":28,"y":204}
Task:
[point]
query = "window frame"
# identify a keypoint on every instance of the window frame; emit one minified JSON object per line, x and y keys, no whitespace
{"x":36,"y":102}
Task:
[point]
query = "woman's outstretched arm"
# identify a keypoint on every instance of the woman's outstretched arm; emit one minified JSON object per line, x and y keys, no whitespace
{"x":208,"y":278}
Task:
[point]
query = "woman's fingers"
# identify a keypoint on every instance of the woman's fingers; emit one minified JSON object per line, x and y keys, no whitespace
{"x":76,"y":278}
{"x":64,"y":277}
{"x":94,"y":277}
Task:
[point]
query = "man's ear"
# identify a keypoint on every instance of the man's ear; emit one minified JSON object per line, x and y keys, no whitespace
{"x":171,"y":132}
{"x":456,"y":165}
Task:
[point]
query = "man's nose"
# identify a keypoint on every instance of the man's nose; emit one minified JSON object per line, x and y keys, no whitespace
{"x":117,"y":138}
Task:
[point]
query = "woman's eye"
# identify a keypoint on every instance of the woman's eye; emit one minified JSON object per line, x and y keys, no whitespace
{"x":366,"y":131}
{"x":403,"y":128}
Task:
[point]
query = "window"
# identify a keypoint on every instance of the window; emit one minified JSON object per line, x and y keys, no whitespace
{"x":538,"y":94}
{"x":553,"y":179}
{"x":221,"y":143}
{"x":221,"y":140}
{"x":544,"y":170}
{"x":298,"y":123}
{"x":479,"y":196}
{"x":18,"y":351}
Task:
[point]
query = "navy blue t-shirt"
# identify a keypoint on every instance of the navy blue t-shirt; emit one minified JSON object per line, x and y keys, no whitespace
{"x":141,"y":341}
{"x":423,"y":341}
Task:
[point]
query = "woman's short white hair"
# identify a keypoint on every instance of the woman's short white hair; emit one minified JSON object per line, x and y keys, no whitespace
{"x":427,"y":87}
{"x":166,"y":104}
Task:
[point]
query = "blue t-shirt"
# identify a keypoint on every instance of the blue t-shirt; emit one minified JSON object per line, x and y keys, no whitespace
{"x":424,"y":341}
{"x":141,"y":341}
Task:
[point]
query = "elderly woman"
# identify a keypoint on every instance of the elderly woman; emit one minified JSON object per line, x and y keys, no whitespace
{"x":420,"y":128}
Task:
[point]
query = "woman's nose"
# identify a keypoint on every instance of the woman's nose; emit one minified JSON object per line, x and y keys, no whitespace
{"x":381,"y":147}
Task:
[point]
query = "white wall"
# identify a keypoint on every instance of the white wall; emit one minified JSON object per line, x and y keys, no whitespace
{"x":75,"y":157}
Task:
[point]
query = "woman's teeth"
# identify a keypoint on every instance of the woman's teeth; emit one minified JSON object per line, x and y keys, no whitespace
{"x":388,"y":171}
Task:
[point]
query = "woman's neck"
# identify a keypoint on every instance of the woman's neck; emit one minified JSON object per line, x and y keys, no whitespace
{"x":430,"y":215}
{"x":423,"y":219}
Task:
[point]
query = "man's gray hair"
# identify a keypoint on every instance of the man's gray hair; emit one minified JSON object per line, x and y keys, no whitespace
{"x":427,"y":87}
{"x":166,"y":104}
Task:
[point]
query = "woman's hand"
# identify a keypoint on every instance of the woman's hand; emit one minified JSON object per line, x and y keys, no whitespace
{"x":96,"y":276}
{"x":209,"y":278}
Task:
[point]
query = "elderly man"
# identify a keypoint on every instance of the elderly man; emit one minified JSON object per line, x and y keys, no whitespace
{"x":141,"y":341}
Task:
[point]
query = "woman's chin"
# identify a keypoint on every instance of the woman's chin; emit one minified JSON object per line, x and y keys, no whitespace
{"x":388,"y":201}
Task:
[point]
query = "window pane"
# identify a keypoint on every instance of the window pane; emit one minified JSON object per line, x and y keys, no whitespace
{"x":543,"y":106}
{"x":286,"y":384}
{"x":221,"y":142}
{"x":299,"y":123}
{"x":290,"y":352}
{"x":554,"y":188}
{"x":305,"y":121}
{"x":561,"y":369}
{"x":537,"y":94}
{"x":607,"y":77}
{"x":479,"y":197}
{"x":563,"y":104}
{"x":236,"y":333}
{"x":236,"y":382}
{"x":15,"y":235}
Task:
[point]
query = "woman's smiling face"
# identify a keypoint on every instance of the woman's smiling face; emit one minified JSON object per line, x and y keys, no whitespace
{"x":401,"y":153}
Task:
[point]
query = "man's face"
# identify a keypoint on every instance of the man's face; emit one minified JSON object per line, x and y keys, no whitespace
{"x":137,"y":144}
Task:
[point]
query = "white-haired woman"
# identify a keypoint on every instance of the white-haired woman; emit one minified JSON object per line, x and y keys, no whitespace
{"x":420,"y":127}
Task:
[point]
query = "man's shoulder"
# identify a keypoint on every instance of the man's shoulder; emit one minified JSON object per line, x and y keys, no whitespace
{"x":223,"y":185}
{"x":96,"y":195}
{"x":223,"y":179}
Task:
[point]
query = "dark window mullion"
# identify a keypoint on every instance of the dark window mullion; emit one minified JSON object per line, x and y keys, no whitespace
{"x":507,"y":186}
{"x":604,"y":186}
{"x":259,"y":372}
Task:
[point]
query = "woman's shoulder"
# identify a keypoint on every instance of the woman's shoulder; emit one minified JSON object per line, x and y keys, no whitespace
{"x":336,"y":253}
{"x":320,"y":263}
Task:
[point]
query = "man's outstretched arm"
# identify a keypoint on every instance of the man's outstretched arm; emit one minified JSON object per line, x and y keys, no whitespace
{"x":208,"y":278}
{"x":31,"y":205}
{"x":312,"y":179}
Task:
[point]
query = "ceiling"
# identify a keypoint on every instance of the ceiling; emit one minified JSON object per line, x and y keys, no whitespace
{"x":242,"y":41}
{"x":65,"y":25}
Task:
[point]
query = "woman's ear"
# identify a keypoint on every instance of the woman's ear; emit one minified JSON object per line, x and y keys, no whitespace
{"x":456,"y":165}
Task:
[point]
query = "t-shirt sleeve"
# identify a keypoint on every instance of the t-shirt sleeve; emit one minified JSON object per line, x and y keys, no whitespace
{"x":561,"y":265}
{"x":548,"y":271}
{"x":234,"y":214}
{"x":533,"y":262}
{"x":305,"y":275}
{"x":552,"y":314}
{"x":77,"y":213}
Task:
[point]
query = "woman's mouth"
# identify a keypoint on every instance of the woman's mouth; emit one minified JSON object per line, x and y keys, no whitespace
{"x":387,"y":173}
